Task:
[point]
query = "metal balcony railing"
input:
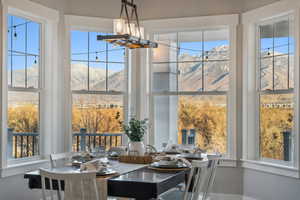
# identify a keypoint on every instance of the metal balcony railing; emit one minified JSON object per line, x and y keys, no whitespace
{"x":21,"y":145}
{"x":83,"y":140}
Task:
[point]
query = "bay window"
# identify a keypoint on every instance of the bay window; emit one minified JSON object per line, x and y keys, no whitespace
{"x":190,"y":84}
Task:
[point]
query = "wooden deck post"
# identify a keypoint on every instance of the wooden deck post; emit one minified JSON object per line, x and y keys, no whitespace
{"x":10,"y":142}
{"x":83,"y":133}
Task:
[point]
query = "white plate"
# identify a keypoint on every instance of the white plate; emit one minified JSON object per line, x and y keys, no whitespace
{"x":176,"y":166}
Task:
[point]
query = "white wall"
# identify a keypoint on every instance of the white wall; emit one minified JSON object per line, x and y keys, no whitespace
{"x":265,"y":186}
{"x":95,"y":8}
{"x":55,"y":4}
{"x":16,"y":188}
{"x":155,"y":9}
{"x":250,"y":4}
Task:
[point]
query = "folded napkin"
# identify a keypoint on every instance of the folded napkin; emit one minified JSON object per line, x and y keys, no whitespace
{"x":174,"y":158}
{"x":185,"y":161}
{"x":172,"y":148}
{"x":94,"y":165}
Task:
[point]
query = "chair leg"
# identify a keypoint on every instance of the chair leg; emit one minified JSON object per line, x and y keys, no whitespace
{"x":211,"y":181}
{"x":58,"y":195}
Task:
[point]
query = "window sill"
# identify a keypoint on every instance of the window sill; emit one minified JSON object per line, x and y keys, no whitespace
{"x":22,"y":168}
{"x":271,"y":168}
{"x":226,"y":162}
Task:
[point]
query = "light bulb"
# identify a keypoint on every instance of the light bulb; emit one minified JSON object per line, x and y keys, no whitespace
{"x":132,"y":28}
{"x":15,"y":32}
{"x":142,"y":33}
{"x":119,"y":26}
{"x":126,"y":29}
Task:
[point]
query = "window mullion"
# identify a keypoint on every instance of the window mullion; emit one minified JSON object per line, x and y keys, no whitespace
{"x":273,"y":57}
{"x":26,"y":49}
{"x":177,"y":59}
{"x":11,"y":52}
{"x":106,"y":66}
{"x":288,"y":61}
{"x":202,"y":61}
{"x":88,"y":78}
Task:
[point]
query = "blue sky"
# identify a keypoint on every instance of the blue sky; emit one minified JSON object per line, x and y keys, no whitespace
{"x":80,"y":45}
{"x":197,"y":46}
{"x":84,"y":42}
{"x":18,"y":42}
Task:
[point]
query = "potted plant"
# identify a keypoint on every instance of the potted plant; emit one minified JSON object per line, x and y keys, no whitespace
{"x":135,"y":130}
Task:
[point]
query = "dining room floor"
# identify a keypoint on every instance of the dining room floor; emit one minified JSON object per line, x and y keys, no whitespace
{"x":176,"y":194}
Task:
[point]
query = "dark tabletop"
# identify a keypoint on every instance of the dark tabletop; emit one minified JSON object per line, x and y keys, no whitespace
{"x":139,"y":183}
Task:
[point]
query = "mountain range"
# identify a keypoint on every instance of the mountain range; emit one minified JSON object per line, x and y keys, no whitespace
{"x":216,"y":74}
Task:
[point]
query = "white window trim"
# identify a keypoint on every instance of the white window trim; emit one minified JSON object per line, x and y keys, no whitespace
{"x":49,"y":22}
{"x":251,"y":159}
{"x":90,"y":24}
{"x":200,"y":23}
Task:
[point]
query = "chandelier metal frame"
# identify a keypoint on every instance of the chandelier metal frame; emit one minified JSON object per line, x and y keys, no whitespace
{"x":128,"y":32}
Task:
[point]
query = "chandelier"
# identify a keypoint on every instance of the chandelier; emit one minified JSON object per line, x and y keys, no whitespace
{"x":127,"y":29}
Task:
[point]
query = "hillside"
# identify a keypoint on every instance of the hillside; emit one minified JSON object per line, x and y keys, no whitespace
{"x":216,"y":74}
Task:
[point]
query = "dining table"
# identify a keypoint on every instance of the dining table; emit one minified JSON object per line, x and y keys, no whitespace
{"x":136,"y":181}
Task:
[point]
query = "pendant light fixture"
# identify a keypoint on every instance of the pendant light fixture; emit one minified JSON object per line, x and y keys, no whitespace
{"x":127,"y":29}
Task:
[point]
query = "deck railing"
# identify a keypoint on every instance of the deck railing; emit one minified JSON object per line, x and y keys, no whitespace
{"x":189,"y":137}
{"x":21,"y":145}
{"x":83,"y":140}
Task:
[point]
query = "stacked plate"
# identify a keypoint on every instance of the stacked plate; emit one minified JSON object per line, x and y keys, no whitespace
{"x":177,"y":165}
{"x":106,"y":171}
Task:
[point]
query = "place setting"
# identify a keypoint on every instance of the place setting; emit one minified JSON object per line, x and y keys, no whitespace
{"x":102,"y":167}
{"x":169,"y":164}
{"x":96,"y":160}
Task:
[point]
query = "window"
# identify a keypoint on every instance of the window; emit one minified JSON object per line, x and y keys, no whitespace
{"x":98,"y":81}
{"x":275,"y":89}
{"x":190,"y":81}
{"x":24,"y":82}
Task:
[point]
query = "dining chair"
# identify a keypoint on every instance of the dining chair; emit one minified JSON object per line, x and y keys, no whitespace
{"x":69,"y":186}
{"x":200,"y":181}
{"x":61,"y":158}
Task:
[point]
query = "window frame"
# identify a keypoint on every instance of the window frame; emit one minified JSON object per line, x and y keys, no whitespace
{"x":251,"y":153}
{"x":180,"y":93}
{"x":91,"y":24}
{"x":229,"y":22}
{"x":40,"y":90}
{"x":48,"y":20}
{"x":260,"y":92}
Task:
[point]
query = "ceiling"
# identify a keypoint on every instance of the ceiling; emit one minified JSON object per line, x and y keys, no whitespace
{"x":155,"y":9}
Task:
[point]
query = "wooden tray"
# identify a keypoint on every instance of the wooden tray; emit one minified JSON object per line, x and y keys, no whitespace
{"x":136,"y":159}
